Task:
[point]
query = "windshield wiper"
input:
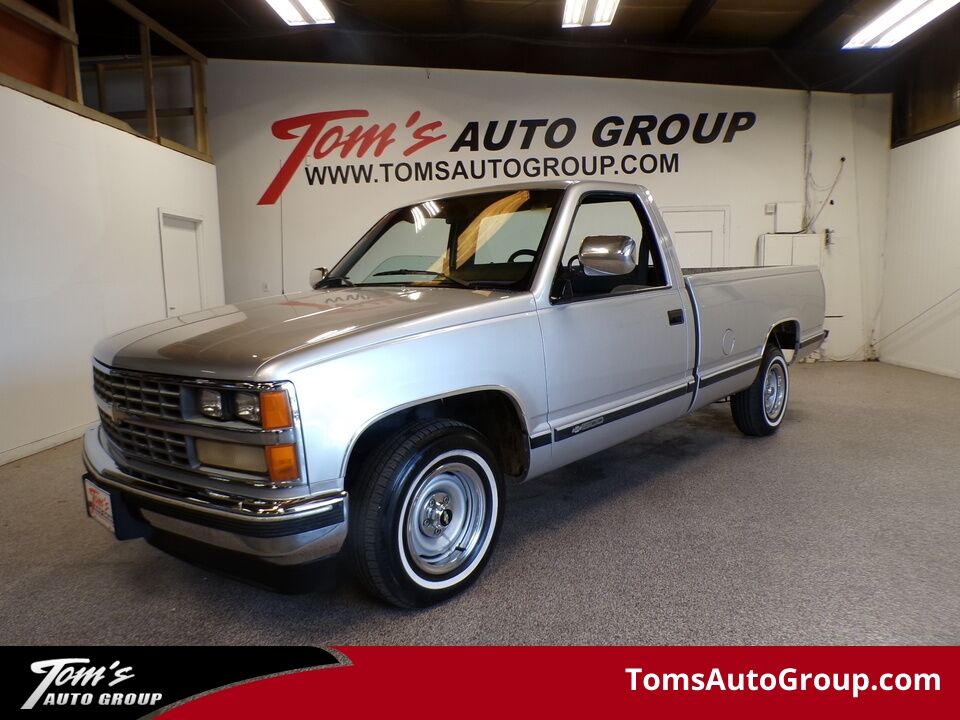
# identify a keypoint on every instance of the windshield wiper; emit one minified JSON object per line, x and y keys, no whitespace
{"x":407,"y":271}
{"x":341,"y":279}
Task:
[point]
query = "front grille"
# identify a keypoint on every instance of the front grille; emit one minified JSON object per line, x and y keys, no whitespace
{"x":138,"y":395}
{"x":152,"y":420}
{"x":143,"y":443}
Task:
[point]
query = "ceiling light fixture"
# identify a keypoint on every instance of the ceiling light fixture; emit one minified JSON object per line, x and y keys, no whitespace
{"x":604,"y":12}
{"x":902,"y":19}
{"x":302,"y":12}
{"x":600,"y":12}
{"x":573,"y":13}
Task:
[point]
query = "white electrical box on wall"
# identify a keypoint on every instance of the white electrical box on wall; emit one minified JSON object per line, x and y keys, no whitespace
{"x":783,"y":249}
{"x":788,"y":217}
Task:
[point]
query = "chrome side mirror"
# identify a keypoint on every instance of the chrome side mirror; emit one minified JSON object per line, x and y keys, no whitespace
{"x":317,"y":276}
{"x":608,"y":255}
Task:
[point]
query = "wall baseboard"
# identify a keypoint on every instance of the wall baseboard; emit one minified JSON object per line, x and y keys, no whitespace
{"x":22,"y":451}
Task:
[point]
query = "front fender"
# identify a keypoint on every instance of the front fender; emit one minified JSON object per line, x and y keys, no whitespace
{"x":340,"y":397}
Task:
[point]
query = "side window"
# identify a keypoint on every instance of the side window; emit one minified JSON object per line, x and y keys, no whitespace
{"x":502,"y":237}
{"x":612,"y":215}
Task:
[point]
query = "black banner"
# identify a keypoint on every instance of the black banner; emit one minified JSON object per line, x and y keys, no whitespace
{"x":117,"y":683}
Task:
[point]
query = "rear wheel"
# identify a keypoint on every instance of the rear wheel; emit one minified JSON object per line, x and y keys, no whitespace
{"x":425,"y":513}
{"x":760,"y":408}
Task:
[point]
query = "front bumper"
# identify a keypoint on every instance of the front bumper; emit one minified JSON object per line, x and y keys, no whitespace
{"x":287,"y":532}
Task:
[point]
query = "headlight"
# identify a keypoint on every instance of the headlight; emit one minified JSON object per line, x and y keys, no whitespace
{"x":248,"y":407}
{"x":211,"y":404}
{"x":269,"y":409}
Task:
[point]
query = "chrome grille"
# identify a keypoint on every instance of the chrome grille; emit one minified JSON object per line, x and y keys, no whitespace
{"x":139,"y":395}
{"x":143,"y":443}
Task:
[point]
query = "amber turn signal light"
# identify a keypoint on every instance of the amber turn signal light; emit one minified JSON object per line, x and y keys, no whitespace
{"x":282,"y":463}
{"x":275,"y":410}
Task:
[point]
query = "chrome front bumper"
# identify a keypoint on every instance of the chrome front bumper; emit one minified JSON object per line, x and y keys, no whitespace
{"x":288,"y":532}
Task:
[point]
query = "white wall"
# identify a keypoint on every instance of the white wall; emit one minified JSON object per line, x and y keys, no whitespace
{"x":872,"y":116}
{"x":80,"y":256}
{"x":317,"y":224}
{"x":922,"y":258}
{"x":269,"y":248}
{"x":857,"y":128}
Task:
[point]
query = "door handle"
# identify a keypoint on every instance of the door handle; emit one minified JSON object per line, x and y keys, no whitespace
{"x":675,"y":316}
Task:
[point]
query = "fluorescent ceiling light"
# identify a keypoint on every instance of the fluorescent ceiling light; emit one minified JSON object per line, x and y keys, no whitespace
{"x":902,"y":19}
{"x":573,"y":12}
{"x":604,"y":12}
{"x":596,"y":13}
{"x":302,"y":12}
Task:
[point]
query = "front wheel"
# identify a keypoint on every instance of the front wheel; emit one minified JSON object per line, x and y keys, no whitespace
{"x":760,"y":408}
{"x":426,"y":511}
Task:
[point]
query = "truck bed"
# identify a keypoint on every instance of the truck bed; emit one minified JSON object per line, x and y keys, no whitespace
{"x":702,"y":270}
{"x":735,"y":310}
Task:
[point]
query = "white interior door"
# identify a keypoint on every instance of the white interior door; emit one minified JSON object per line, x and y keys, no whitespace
{"x":698,"y":234}
{"x":180,"y":239}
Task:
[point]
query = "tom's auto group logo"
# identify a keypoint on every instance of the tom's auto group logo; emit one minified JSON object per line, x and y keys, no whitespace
{"x":528,"y":148}
{"x":73,"y":681}
{"x":132,"y":682}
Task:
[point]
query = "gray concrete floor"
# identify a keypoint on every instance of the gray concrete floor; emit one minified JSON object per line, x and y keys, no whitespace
{"x":842,"y":528}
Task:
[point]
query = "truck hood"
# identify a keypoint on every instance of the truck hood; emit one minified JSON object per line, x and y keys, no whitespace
{"x":246,"y":341}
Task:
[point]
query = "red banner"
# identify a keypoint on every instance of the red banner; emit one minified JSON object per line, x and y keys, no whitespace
{"x":485,"y":682}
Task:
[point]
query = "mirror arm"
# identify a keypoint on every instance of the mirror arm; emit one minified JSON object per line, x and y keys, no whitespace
{"x":566,"y":288}
{"x":323,"y":272}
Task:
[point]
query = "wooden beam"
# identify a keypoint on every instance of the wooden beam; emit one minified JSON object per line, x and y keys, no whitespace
{"x":161,"y":113}
{"x":815,"y":22}
{"x":156,"y":27}
{"x":198,"y":78}
{"x":74,"y":85}
{"x":158,"y":62}
{"x":102,"y":87}
{"x":695,"y":14}
{"x":28,"y":12}
{"x":149,"y":95}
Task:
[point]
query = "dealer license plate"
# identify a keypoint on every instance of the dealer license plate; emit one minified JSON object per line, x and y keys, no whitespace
{"x":99,"y":505}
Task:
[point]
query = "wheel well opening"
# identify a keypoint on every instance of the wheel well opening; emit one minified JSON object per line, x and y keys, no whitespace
{"x":786,"y":335}
{"x":490,"y":412}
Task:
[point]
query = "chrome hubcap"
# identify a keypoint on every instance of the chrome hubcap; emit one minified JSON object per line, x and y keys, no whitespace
{"x":774,"y":391}
{"x":446,"y":518}
{"x":437,"y":514}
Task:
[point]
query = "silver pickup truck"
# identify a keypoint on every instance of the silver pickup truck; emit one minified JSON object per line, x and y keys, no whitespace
{"x":464,"y":341}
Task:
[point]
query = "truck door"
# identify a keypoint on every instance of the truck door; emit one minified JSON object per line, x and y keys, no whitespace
{"x":616,"y":347}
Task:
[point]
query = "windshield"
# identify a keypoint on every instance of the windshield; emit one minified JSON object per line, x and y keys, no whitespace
{"x":490,"y":239}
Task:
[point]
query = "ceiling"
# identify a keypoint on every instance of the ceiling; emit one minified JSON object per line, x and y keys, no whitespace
{"x":773,"y":43}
